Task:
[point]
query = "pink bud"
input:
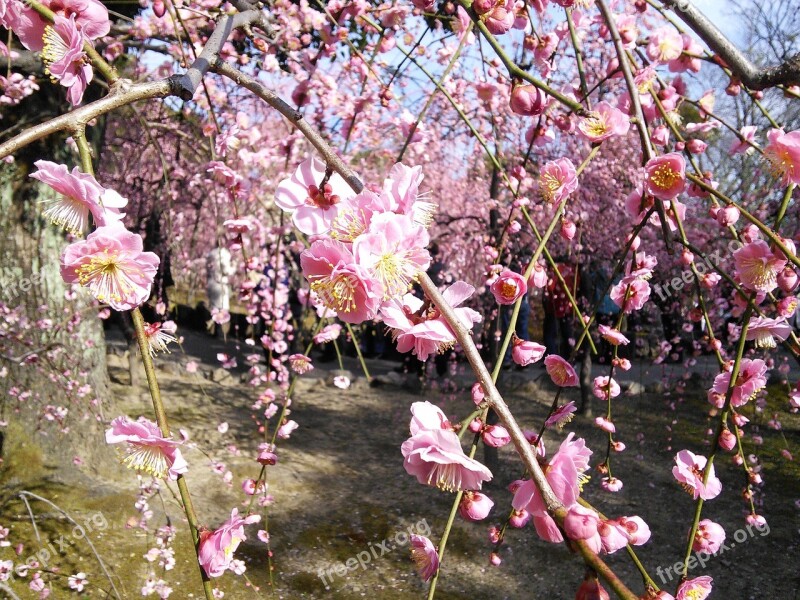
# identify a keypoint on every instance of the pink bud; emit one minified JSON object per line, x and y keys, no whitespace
{"x":527,"y":100}
{"x":568,"y":229}
{"x":727,"y":440}
{"x":477,"y":393}
{"x":159,"y":8}
{"x":475,"y":425}
{"x":687,"y":257}
{"x":494,"y":559}
{"x":660,"y":136}
{"x":696,"y":146}
{"x":787,"y":279}
{"x":475,"y":506}
{"x":728,"y":215}
{"x":496,"y":436}
{"x":519,"y":518}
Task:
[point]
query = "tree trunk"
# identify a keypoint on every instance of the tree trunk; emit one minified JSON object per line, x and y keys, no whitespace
{"x":53,"y":376}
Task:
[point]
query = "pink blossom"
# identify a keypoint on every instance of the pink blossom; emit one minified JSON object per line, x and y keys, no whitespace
{"x":64,"y":58}
{"x":751,"y":379}
{"x":605,"y":387}
{"x":424,"y":556}
{"x":613,"y":536}
{"x":688,"y":470}
{"x":313,"y":205}
{"x":266,"y":454}
{"x":147,"y":450}
{"x":783,"y":153}
{"x":215,"y":552}
{"x":561,"y":415}
{"x":501,"y":17}
{"x":666,"y":44}
{"x":636,"y":529}
{"x":428,"y":333}
{"x":689,"y":60}
{"x":286,"y":429}
{"x":787,"y":279}
{"x":91,"y":19}
{"x":603,"y":122}
{"x":605,"y":425}
{"x":666,"y":176}
{"x":435,"y":457}
{"x":475,"y":506}
{"x":508,"y":287}
{"x":328,"y":334}
{"x":401,"y":188}
{"x":77,"y":582}
{"x":764,"y":331}
{"x":339,"y":282}
{"x":110,"y":262}
{"x":745,"y":144}
{"x":393,"y":251}
{"x":631,"y":293}
{"x":709,"y":537}
{"x":159,"y":335}
{"x":611,"y":484}
{"x":612,"y":336}
{"x":565,"y":474}
{"x":524,"y":352}
{"x":695,"y":589}
{"x":426,"y":417}
{"x":80,"y":194}
{"x":557,"y":180}
{"x":560,"y":371}
{"x":757,"y":266}
{"x":580,"y":523}
{"x":300,"y":363}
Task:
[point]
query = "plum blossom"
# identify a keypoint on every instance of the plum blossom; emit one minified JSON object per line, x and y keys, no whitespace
{"x":508,"y":287}
{"x":527,"y":100}
{"x":428,"y":333}
{"x":561,"y":415}
{"x":666,"y":44}
{"x":300,"y":363}
{"x":64,"y":58}
{"x":709,"y":537}
{"x":311,"y":196}
{"x":783,"y":153}
{"x":433,"y":453}
{"x":561,"y":372}
{"x":612,"y":336}
{"x":764,"y":331}
{"x":159,"y":335}
{"x":631,"y":293}
{"x":557,"y":180}
{"x":77,"y":582}
{"x":147,"y":450}
{"x":340,"y":283}
{"x":698,"y":588}
{"x":688,"y":471}
{"x":605,"y":387}
{"x":80,"y":194}
{"x":751,"y":379}
{"x":565,"y":474}
{"x":475,"y":506}
{"x":524,"y":352}
{"x":393,"y":251}
{"x":665,"y":176}
{"x":111,"y":263}
{"x":757,"y":266}
{"x":91,"y":19}
{"x":604,"y":122}
{"x":215,"y":552}
{"x":424,"y":556}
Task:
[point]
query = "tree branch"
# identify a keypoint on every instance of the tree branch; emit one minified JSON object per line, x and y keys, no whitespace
{"x":787,"y":73}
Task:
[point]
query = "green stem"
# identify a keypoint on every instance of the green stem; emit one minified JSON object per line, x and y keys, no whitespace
{"x":358,"y":351}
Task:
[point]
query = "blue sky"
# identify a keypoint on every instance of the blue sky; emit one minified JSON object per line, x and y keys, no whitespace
{"x":720,"y":12}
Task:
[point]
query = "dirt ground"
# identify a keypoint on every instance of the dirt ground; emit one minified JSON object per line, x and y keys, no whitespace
{"x":340,"y":490}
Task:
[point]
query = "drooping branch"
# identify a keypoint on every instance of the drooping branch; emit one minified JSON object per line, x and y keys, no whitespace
{"x":753,"y":77}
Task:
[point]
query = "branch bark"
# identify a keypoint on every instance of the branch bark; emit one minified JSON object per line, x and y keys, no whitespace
{"x":753,"y":77}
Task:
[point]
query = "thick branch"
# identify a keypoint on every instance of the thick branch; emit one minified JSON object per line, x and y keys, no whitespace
{"x":80,"y":117}
{"x":787,"y":73}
